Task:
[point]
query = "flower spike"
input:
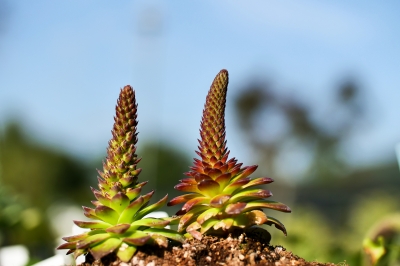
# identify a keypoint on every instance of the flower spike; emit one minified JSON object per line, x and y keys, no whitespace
{"x":117,"y":220}
{"x":221,"y":196}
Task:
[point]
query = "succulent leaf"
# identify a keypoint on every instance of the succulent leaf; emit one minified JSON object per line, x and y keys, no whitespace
{"x":277,"y":223}
{"x":152,"y":208}
{"x":118,"y":229}
{"x":105,"y":248}
{"x":125,"y":251}
{"x":117,"y":224}
{"x":221,"y":194}
{"x":92,"y":225}
{"x":85,"y":243}
{"x":128,"y":214}
{"x":107,"y":214}
{"x":171,"y":234}
{"x":150,"y":222}
{"x":119,"y":202}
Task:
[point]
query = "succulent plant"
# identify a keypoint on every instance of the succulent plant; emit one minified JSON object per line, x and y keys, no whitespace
{"x":118,"y":224}
{"x":222,"y":195}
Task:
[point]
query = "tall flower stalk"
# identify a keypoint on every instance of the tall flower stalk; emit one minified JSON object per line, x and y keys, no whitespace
{"x":221,"y":195}
{"x":118,"y":224}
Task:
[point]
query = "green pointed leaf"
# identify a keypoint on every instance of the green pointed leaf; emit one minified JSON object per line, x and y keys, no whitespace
{"x":187,"y":187}
{"x":196,"y":201}
{"x":102,"y":199}
{"x":146,"y":198}
{"x":207,"y":215}
{"x":193,"y":227}
{"x":200,"y":177}
{"x":181,"y":199}
{"x":89,"y":213}
{"x":189,"y":180}
{"x":126,"y":252}
{"x":75,"y":237}
{"x":257,"y":217}
{"x":79,"y":252}
{"x":248,"y":170}
{"x":126,"y":181}
{"x":195,"y":234}
{"x":235,"y":208}
{"x":250,"y":194}
{"x":105,"y":248}
{"x":119,"y":202}
{"x":174,"y":220}
{"x":70,"y":251}
{"x":224,"y":224}
{"x":132,"y":193}
{"x":151,"y":222}
{"x":142,"y":184}
{"x":92,"y":240}
{"x":68,"y":245}
{"x":248,"y":219}
{"x":223,"y":180}
{"x":139,"y":241}
{"x":258,"y":181}
{"x":268,"y":204}
{"x":190,"y":215}
{"x":277,"y":223}
{"x":232,"y":187}
{"x":208,"y":224}
{"x":107,"y":214}
{"x":92,"y":224}
{"x":137,"y":238}
{"x":219,"y":200}
{"x":151,"y":208}
{"x":118,"y":229}
{"x":208,"y":188}
{"x":127,"y":216}
{"x":168,"y":233}
{"x":159,"y":240}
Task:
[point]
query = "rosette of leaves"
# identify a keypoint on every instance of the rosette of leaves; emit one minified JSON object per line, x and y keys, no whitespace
{"x":221,"y":195}
{"x":118,"y":224}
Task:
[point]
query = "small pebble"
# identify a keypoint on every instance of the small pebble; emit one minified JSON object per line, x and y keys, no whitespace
{"x":208,"y":258}
{"x":278,"y":250}
{"x":123,"y":264}
{"x":151,"y":264}
{"x":241,"y":257}
{"x":135,"y":261}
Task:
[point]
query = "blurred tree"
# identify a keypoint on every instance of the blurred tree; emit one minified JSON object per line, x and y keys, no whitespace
{"x":282,"y":128}
{"x":163,"y":165}
{"x":38,"y":176}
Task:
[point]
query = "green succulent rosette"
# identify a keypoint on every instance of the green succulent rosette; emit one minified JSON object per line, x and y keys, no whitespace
{"x":117,"y":219}
{"x":221,"y":195}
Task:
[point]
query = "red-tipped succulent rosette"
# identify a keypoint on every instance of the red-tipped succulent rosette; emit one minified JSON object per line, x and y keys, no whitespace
{"x":222,"y":196}
{"x":117,"y":223}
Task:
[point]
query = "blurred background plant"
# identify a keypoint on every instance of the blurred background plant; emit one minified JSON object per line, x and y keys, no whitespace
{"x":312,"y":101}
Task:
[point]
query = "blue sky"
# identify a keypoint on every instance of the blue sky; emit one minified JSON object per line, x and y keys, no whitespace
{"x":62,"y":64}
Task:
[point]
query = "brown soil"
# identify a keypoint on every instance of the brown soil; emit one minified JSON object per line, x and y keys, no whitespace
{"x":235,"y":250}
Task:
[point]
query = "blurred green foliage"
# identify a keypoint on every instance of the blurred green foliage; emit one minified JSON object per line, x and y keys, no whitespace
{"x":300,"y":144}
{"x":36,"y":176}
{"x":334,"y":209}
{"x":163,"y":165}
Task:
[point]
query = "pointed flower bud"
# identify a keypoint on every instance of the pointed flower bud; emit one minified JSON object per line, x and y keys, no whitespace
{"x":221,"y":196}
{"x":118,"y":225}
